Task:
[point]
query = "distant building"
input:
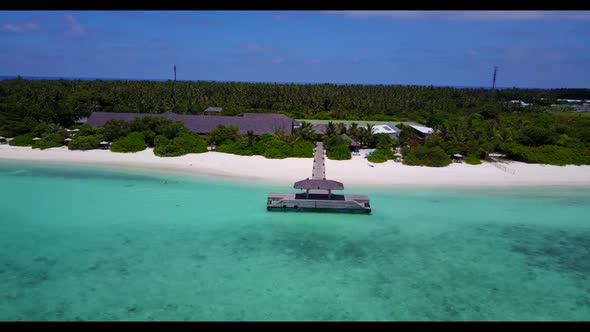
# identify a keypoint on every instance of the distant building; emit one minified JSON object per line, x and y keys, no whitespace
{"x":423,"y":131}
{"x":259,"y":123}
{"x":388,"y":129}
{"x":81,"y":120}
{"x":319,"y":129}
{"x":570,"y":100}
{"x":354,"y":145}
{"x":520,"y":102}
{"x":214,"y":110}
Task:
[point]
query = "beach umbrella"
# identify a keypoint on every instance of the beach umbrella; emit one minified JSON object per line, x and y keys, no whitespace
{"x":36,"y":139}
{"x":2,"y":137}
{"x":104,"y":142}
{"x":68,"y":139}
{"x":76,"y":129}
{"x":457,"y":155}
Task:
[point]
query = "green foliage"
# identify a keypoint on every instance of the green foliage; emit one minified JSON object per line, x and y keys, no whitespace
{"x":537,"y":136}
{"x":113,"y":129}
{"x":472,"y":160}
{"x":243,"y":147}
{"x":22,"y":140}
{"x":565,"y":140}
{"x":80,"y":142}
{"x":382,"y":154}
{"x":223,"y":133}
{"x":13,"y":128}
{"x":51,"y":140}
{"x":468,"y":120}
{"x":548,"y":154}
{"x":81,"y":104}
{"x":133,"y":142}
{"x":384,"y":141}
{"x":337,"y":148}
{"x":152,"y":126}
{"x":425,"y":156}
{"x":303,"y":149}
{"x":383,"y":151}
{"x":184,"y":143}
{"x":86,"y":130}
{"x":271,"y":147}
{"x":274,"y":153}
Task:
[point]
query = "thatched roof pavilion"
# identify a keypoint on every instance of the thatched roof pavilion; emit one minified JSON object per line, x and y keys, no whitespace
{"x":319,"y":184}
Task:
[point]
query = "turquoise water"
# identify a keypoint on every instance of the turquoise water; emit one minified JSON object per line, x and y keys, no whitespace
{"x":78,"y":243}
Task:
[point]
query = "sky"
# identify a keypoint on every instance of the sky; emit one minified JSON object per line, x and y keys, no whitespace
{"x":534,"y":49}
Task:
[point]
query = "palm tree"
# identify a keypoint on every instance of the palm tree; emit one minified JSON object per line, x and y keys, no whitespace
{"x":331,"y":129}
{"x":340,"y":128}
{"x":251,"y":137}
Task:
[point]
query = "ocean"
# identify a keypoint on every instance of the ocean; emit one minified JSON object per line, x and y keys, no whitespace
{"x":83,"y":243}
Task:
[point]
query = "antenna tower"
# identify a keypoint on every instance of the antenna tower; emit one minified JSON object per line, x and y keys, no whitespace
{"x":174,"y":87}
{"x":494,"y":80}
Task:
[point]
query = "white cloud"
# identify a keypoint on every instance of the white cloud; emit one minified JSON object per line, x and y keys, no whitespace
{"x":27,"y":26}
{"x":468,"y":15}
{"x":73,"y":25}
{"x":12,"y":28}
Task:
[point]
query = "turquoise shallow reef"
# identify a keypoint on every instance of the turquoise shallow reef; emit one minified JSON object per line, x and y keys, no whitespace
{"x":81,"y":243}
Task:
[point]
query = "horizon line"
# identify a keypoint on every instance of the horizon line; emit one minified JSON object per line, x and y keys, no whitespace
{"x":73,"y":78}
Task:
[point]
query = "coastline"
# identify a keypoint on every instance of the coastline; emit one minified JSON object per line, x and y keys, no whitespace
{"x":353,"y":173}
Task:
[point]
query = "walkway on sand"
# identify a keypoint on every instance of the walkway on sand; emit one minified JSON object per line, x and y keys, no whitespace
{"x":319,"y":166}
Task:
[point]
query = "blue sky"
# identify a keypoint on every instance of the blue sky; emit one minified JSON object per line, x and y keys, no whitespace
{"x":532,"y":48}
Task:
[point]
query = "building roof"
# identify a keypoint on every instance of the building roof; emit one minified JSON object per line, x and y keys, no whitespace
{"x":352,"y":141}
{"x":423,"y":129}
{"x":385,"y":129}
{"x":259,"y":123}
{"x":214,"y":109}
{"x":319,"y":128}
{"x":319,"y":184}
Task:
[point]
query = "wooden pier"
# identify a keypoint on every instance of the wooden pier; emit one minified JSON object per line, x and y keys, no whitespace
{"x":318,"y":193}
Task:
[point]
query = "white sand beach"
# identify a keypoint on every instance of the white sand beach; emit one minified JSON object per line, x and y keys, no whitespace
{"x":351,"y":172}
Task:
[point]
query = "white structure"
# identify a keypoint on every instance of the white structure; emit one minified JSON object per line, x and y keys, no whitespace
{"x":570,"y":100}
{"x":388,"y":129}
{"x":522,"y":103}
{"x":423,"y":129}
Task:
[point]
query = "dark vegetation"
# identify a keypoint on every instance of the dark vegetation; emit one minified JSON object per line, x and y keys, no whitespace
{"x":466,"y":121}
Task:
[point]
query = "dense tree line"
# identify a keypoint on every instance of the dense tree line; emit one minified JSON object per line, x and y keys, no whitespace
{"x":472,"y":122}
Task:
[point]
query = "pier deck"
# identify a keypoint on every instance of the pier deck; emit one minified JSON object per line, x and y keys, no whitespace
{"x":318,"y":196}
{"x":319,"y":167}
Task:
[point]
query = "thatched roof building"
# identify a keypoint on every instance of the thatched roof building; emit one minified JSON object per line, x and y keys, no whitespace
{"x":259,"y":123}
{"x":319,"y":185}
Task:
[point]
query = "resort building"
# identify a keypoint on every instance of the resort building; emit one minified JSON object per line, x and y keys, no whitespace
{"x":388,"y":129}
{"x":259,"y":123}
{"x":520,"y":102}
{"x":423,"y":131}
{"x":213,"y":110}
{"x":354,"y":146}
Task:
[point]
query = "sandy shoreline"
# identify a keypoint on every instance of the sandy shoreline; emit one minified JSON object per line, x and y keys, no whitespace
{"x":355,"y":172}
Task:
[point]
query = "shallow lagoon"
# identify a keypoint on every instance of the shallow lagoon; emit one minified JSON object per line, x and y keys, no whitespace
{"x":81,"y":243}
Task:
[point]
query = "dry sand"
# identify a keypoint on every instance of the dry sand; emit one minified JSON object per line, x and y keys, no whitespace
{"x":356,"y":172}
